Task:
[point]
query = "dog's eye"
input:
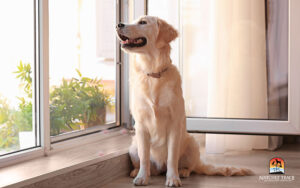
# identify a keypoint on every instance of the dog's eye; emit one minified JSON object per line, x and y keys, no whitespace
{"x":142,"y":22}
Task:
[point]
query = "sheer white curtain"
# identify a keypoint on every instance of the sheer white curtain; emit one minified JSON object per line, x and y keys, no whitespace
{"x":225,"y":62}
{"x":238,"y":71}
{"x":238,"y":77}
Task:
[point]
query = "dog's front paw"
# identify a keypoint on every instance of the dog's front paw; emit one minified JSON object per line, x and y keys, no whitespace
{"x":134,"y":173}
{"x":173,"y":181}
{"x":141,"y":180}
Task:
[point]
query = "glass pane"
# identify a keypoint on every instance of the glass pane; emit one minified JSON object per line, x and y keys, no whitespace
{"x":167,"y":10}
{"x":17,"y":62}
{"x":82,"y":64}
{"x":235,"y":58}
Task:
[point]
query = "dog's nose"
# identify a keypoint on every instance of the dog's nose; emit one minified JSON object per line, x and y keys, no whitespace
{"x":120,"y":25}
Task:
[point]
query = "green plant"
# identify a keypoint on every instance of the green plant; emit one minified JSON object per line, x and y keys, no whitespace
{"x":8,"y":136}
{"x":65,"y":107}
{"x":77,"y":102}
{"x":24,"y":74}
{"x":92,"y":92}
{"x":14,"y":121}
{"x":8,"y":131}
{"x":23,"y":117}
{"x":4,"y":110}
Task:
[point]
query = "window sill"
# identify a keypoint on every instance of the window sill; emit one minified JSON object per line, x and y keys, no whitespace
{"x":65,"y":161}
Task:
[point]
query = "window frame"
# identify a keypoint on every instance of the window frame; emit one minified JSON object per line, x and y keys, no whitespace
{"x":36,"y":128}
{"x":130,"y":10}
{"x":265,"y":127}
{"x":98,"y":128}
{"x":48,"y":145}
{"x":257,"y":127}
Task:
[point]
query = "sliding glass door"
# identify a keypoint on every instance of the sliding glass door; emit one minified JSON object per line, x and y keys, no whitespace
{"x":237,"y":63}
{"x":235,"y":59}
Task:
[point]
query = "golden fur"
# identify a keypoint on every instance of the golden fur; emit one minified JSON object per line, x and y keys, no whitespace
{"x":161,"y":143}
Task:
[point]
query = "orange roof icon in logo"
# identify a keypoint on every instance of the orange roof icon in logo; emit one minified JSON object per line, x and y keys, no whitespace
{"x":276,"y":166}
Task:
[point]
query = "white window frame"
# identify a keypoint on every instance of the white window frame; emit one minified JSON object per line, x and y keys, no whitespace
{"x":50,"y":145}
{"x":266,"y":127}
{"x":131,"y":10}
{"x":259,"y":127}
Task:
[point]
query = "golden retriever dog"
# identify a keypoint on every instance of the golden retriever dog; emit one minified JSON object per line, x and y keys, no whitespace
{"x":161,"y":142}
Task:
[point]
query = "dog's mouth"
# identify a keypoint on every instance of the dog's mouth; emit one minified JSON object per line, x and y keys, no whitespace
{"x":131,"y":43}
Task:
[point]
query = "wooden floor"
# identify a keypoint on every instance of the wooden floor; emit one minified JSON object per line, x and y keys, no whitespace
{"x":255,"y":160}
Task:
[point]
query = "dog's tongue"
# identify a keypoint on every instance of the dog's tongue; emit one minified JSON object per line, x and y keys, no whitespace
{"x":128,"y":41}
{"x":124,"y":42}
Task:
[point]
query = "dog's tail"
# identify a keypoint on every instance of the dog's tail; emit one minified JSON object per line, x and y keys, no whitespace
{"x":211,"y":170}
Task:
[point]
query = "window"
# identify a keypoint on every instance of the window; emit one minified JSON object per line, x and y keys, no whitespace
{"x":59,"y":71}
{"x":238,"y":63}
{"x":238,"y":53}
{"x":18,"y":118}
{"x":82,"y":65}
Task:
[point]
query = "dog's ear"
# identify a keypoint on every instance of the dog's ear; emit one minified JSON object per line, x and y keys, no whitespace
{"x":166,"y":33}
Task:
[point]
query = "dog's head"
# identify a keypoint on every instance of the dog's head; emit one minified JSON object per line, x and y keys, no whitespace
{"x":145,"y":34}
